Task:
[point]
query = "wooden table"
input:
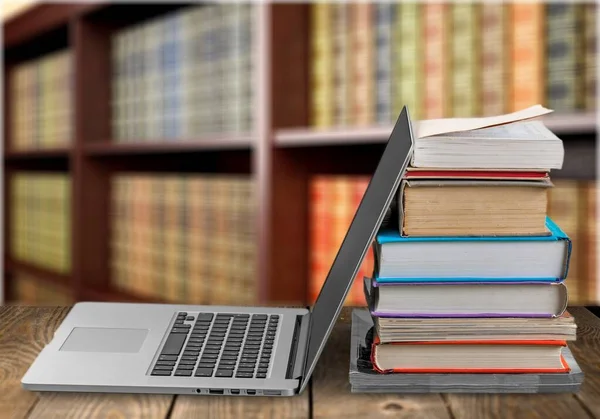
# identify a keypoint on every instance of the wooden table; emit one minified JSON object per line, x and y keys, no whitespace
{"x":25,"y":330}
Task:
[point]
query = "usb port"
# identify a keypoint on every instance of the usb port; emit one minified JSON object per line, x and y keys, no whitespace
{"x":215,"y":391}
{"x":251,"y":392}
{"x":235,"y":392}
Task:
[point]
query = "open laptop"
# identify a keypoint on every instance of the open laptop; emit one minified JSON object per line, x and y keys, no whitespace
{"x":186,"y":349}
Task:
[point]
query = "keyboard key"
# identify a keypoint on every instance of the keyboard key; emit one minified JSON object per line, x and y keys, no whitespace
{"x":246,"y":365}
{"x":258,"y":316}
{"x":167,"y":358}
{"x":185,"y":367}
{"x":203,"y":372}
{"x":169,"y":363}
{"x":187,"y":362}
{"x":190,"y":318}
{"x":224,"y":373}
{"x":229,"y":357}
{"x":179,"y":330}
{"x":189,"y":358}
{"x":173,"y":344}
{"x":245,"y":370}
{"x":192,"y":346}
{"x":244,"y":375}
{"x":230,"y":353}
{"x":226,"y":367}
{"x":214,"y":351}
{"x":228,"y":362}
{"x":183,"y":313}
{"x":191,"y":353}
{"x":209,"y":365}
{"x":210,"y":356}
{"x":241,"y":316}
{"x":264,"y":365}
{"x":183,"y":373}
{"x":262,"y":370}
{"x":163,"y":367}
{"x":261,"y":375}
{"x":205,"y":316}
{"x":179,"y":323}
{"x":161,"y":372}
{"x":274,"y":316}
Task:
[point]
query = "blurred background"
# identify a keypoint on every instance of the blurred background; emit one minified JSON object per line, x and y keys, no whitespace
{"x":216,"y":153}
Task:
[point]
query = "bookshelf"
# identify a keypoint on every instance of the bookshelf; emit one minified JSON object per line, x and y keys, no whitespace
{"x":281,"y":154}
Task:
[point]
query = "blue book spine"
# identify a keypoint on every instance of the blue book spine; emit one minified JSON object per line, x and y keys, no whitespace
{"x":383,"y":65}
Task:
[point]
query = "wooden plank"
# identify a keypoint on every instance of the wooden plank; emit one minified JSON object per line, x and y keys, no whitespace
{"x":586,"y":352}
{"x":242,"y":407}
{"x":97,"y":405}
{"x":551,"y":405}
{"x":24,"y":331}
{"x":331,"y":387}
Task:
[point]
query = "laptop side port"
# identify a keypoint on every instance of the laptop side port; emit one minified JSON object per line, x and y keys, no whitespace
{"x":272,"y":392}
{"x":215,"y":391}
{"x":251,"y":392}
{"x":235,"y":391}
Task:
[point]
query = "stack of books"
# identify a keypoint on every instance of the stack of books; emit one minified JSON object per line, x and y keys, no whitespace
{"x":40,"y":219}
{"x":471,"y":280}
{"x":41,"y":102}
{"x":184,"y":238}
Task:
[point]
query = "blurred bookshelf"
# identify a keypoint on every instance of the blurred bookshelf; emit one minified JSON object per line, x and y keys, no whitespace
{"x":279,"y":112}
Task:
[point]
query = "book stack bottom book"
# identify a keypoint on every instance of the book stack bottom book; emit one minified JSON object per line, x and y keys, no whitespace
{"x":365,"y":379}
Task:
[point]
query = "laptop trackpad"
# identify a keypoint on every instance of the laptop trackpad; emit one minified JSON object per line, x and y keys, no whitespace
{"x":99,"y":339}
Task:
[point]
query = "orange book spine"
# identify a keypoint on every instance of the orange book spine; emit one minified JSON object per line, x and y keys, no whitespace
{"x":527,"y":47}
{"x":436,"y":35}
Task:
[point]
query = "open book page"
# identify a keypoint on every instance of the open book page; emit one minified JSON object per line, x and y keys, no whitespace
{"x":527,"y":131}
{"x":431,"y":127}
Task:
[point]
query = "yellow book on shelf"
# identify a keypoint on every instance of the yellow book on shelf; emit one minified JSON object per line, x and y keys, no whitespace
{"x":466,"y":66}
{"x":408,"y":59}
{"x":322,"y":108}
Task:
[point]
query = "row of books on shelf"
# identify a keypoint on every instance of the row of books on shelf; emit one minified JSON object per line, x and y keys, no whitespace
{"x":184,"y":238}
{"x":40,"y":226}
{"x":41,"y":107}
{"x":448,"y":60}
{"x":571,"y":204}
{"x":184,"y":75}
{"x":28,"y":289}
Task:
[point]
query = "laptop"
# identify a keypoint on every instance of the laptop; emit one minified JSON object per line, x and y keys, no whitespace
{"x":213,"y":350}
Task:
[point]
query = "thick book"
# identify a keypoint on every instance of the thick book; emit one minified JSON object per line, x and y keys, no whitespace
{"x":409,"y":329}
{"x":425,"y":173}
{"x":473,"y":259}
{"x":473,"y":207}
{"x":444,"y":299}
{"x":518,"y":145}
{"x":364,"y":379}
{"x":491,"y":357}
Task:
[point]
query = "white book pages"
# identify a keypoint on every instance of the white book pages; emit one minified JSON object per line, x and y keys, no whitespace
{"x":526,"y":131}
{"x":432,"y":127}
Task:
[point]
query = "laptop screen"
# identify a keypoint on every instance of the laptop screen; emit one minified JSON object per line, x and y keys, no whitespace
{"x":362,"y":231}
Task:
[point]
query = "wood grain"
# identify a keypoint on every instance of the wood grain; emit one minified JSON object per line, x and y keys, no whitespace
{"x":24,"y":331}
{"x":578,"y":405}
{"x":97,"y":405}
{"x":242,"y":407}
{"x":586,"y":350}
{"x":331,"y":388}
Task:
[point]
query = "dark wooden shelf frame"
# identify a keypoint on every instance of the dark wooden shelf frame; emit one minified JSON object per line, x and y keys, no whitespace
{"x":281,"y":155}
{"x":46,"y":275}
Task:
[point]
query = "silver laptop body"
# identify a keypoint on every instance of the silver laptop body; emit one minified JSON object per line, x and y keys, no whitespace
{"x":186,"y":349}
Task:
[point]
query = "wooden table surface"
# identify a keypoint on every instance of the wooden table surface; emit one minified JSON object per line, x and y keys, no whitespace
{"x":25,"y":330}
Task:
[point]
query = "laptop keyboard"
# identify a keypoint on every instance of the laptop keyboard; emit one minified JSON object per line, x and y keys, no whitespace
{"x":218,"y":345}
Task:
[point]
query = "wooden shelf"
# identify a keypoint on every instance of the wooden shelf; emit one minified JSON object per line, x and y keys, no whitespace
{"x":55,"y":278}
{"x":106,"y":149}
{"x":41,"y":154}
{"x":560,"y":124}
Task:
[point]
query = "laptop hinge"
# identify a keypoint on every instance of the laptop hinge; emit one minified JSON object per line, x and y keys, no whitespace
{"x":299,"y":347}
